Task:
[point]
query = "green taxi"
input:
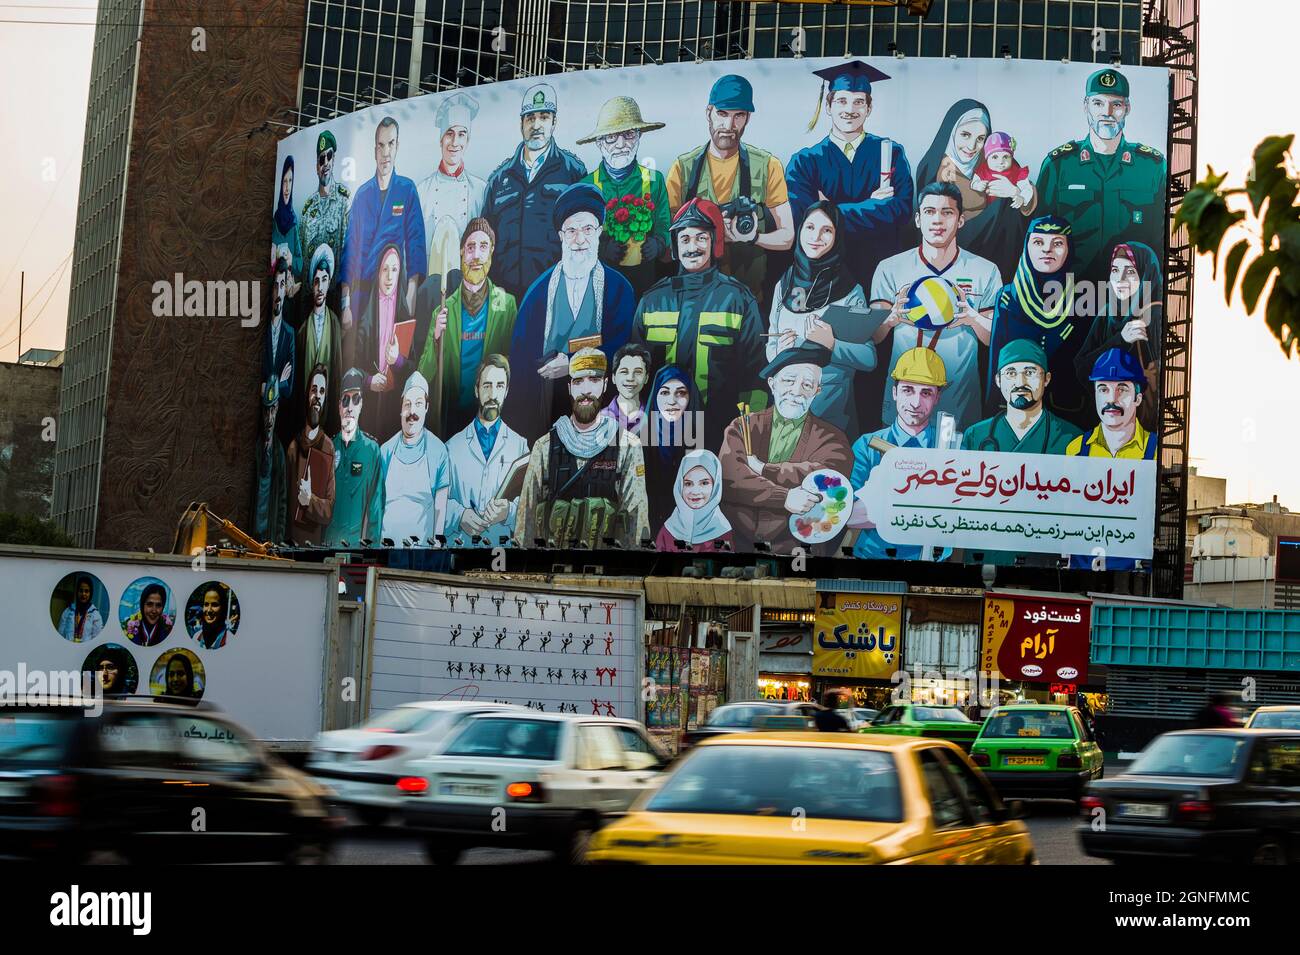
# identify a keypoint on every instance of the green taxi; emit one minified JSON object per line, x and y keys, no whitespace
{"x":935,"y":720}
{"x":1038,"y":750}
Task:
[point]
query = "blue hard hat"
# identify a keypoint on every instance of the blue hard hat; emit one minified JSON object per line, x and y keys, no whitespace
{"x":1116,"y":364}
{"x":732,"y":92}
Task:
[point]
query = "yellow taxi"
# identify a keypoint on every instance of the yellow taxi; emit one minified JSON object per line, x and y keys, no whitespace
{"x":819,"y":798}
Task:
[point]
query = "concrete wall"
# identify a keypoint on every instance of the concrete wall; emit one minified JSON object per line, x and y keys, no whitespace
{"x":29,"y":406}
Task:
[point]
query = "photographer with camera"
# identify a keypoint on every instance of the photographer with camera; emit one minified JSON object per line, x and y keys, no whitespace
{"x":747,"y":183}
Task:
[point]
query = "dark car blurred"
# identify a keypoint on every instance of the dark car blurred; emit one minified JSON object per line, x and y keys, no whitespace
{"x":1212,"y":795}
{"x":752,"y":715}
{"x":143,"y":780}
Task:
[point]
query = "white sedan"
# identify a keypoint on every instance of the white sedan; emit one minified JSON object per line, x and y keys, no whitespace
{"x":361,"y":765}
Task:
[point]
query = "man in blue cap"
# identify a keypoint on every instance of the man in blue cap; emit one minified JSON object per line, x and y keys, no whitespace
{"x":521,"y":193}
{"x":866,"y":176}
{"x":578,"y":302}
{"x":746,"y":182}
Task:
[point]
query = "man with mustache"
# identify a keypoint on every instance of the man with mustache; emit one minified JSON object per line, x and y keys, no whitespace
{"x":586,"y":477}
{"x":1026,"y":426}
{"x":386,"y":210}
{"x":309,"y":467}
{"x":278,"y":354}
{"x":269,"y":504}
{"x":576,"y":303}
{"x":320,"y":339}
{"x":482,"y":457}
{"x":324,"y":219}
{"x":848,"y":167}
{"x":477,"y":319}
{"x":414,"y":473}
{"x":762,"y":478}
{"x":449,"y":196}
{"x":1109,"y":189}
{"x":727,"y":172}
{"x":358,"y":494}
{"x":521,"y":193}
{"x":706,"y":323}
{"x":620,"y":176}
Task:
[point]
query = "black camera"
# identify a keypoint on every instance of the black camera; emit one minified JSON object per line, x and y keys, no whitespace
{"x":745,"y":215}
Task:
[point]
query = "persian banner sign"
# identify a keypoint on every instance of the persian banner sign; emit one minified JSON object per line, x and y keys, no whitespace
{"x":1039,"y":640}
{"x":1038,"y":503}
{"x":858,"y":635}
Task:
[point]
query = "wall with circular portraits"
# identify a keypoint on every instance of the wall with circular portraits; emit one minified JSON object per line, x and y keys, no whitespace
{"x":79,"y":607}
{"x":180,"y":673}
{"x":212,"y":614}
{"x":113,"y":668}
{"x":146,"y":611}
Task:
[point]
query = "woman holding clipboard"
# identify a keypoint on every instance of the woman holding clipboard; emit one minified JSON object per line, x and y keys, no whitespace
{"x":383,"y":346}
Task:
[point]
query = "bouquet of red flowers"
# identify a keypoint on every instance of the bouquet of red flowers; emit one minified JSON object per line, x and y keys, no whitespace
{"x":630,"y":218}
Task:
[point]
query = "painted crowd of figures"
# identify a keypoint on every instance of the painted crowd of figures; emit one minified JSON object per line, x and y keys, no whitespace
{"x":555,"y":354}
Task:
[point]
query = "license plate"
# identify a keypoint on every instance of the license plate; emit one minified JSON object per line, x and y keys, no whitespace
{"x":1143,"y":810}
{"x":465,"y":789}
{"x":1023,"y":761}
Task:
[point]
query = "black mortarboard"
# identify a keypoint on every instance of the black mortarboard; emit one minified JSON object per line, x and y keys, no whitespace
{"x":854,"y":76}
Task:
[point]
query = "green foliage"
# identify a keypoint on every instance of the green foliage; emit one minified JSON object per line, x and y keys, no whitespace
{"x":25,"y":529}
{"x":1272,"y":191}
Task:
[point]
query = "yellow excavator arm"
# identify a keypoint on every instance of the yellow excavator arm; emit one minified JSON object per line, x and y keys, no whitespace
{"x":192,"y":536}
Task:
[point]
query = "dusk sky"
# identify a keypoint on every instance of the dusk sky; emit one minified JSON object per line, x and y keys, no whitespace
{"x":1242,"y":433}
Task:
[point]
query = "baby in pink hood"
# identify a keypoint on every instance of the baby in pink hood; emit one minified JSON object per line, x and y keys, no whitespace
{"x":1000,"y":160}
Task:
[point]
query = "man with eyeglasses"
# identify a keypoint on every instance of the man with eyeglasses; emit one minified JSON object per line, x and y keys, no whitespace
{"x":619,"y":175}
{"x":325,"y":215}
{"x":577,"y":303}
{"x":358,"y":495}
{"x":1025,"y":426}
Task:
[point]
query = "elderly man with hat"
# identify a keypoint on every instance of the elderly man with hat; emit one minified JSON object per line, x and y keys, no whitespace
{"x":415,"y":473}
{"x":1025,"y":426}
{"x":269,"y":502}
{"x":586,"y":477}
{"x":767,"y":454}
{"x":706,"y":323}
{"x":358,"y":493}
{"x":867,"y":177}
{"x":320,"y":337}
{"x":324,"y":217}
{"x":919,"y":379}
{"x":747,"y":183}
{"x":521,"y":193}
{"x":579,"y":301}
{"x":1108,"y":188}
{"x":622,"y":180}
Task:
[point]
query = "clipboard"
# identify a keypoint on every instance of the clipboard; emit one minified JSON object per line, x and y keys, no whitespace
{"x":316,"y":466}
{"x":513,"y":484}
{"x":854,"y":327}
{"x":405,"y":334}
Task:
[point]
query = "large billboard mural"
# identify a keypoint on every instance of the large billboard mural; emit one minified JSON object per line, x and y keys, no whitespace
{"x":660,"y":306}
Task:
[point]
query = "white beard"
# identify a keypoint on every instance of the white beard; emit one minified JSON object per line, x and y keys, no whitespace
{"x":792,"y":408}
{"x":617,"y":163}
{"x":577,"y":264}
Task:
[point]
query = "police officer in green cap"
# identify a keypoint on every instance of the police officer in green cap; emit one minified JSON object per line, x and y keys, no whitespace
{"x":325,"y":215}
{"x":358,"y":492}
{"x":1108,"y":188}
{"x":747,"y":183}
{"x":1025,"y":426}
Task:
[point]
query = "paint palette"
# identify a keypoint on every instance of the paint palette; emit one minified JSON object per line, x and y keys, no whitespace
{"x":830,"y":515}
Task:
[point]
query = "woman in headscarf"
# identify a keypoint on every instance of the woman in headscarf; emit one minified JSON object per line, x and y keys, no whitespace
{"x":81,"y":619}
{"x":697,"y":521}
{"x":213,"y":617}
{"x":285,"y":242}
{"x":378,"y":352}
{"x":993,"y":228}
{"x":1038,"y":304}
{"x":112,"y":667}
{"x":151,"y":623}
{"x":670,"y":426}
{"x":1132,"y":319}
{"x":817,"y":281}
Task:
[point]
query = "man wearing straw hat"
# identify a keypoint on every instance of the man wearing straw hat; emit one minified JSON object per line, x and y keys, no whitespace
{"x":619,"y":176}
{"x":767,"y":454}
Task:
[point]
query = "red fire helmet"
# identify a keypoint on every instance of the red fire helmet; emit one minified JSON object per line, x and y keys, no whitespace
{"x":700,"y":214}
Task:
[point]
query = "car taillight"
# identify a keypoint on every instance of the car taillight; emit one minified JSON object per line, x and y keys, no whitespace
{"x":980,"y":759}
{"x":1068,"y":761}
{"x":1194,"y":810}
{"x":383,"y":751}
{"x":56,"y":796}
{"x":1088,"y":804}
{"x":413,"y":785}
{"x":526,"y":792}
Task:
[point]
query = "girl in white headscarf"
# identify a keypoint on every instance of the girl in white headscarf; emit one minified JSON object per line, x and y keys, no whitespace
{"x":697,"y":521}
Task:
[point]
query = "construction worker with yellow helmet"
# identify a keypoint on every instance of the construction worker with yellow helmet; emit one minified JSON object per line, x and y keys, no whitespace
{"x":919,"y":379}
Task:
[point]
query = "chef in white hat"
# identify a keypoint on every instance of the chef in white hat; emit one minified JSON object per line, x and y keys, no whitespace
{"x":450,"y":197}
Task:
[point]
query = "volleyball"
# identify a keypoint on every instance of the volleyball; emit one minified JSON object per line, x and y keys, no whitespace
{"x":931,"y":304}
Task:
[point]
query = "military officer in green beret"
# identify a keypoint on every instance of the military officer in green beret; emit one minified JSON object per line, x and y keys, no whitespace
{"x":325,"y":214}
{"x":1108,"y":188}
{"x":1026,"y":426}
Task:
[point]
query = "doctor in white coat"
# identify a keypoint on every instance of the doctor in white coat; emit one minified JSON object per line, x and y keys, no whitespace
{"x":481,"y":458}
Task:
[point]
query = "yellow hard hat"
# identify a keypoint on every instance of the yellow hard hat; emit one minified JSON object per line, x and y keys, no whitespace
{"x":922,"y":366}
